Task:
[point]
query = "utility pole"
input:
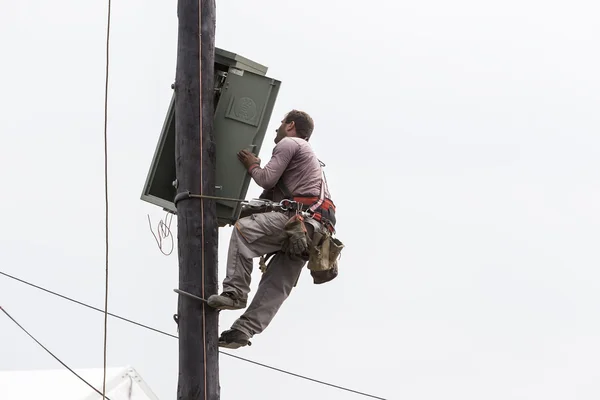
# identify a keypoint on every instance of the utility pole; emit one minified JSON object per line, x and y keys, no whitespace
{"x":197,"y":232}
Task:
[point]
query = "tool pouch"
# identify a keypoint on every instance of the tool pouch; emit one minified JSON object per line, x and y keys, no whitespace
{"x":323,"y":258}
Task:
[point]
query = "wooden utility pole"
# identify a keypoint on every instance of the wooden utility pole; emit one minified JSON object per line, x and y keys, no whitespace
{"x":197,"y":218}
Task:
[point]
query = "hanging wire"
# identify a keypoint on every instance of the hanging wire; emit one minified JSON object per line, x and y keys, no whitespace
{"x":106,"y":194}
{"x":163,"y":231}
{"x":175,"y":337}
{"x":52,"y":354}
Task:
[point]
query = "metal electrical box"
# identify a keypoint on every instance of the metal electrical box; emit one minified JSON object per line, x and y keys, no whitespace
{"x":244,"y":101}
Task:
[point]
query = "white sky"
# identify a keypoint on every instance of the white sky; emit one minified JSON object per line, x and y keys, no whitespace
{"x":462,"y":149}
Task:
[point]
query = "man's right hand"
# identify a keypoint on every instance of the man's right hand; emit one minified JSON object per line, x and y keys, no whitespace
{"x":248,"y":159}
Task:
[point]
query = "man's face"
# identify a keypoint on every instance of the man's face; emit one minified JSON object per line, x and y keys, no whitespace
{"x":284,"y":130}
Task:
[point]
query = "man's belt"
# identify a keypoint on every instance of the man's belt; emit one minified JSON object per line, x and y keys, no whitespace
{"x":309,"y":201}
{"x":325,"y":214}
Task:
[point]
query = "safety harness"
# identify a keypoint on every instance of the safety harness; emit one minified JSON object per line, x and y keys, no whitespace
{"x":321,"y":209}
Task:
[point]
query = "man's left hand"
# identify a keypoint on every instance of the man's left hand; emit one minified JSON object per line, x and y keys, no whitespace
{"x":247,"y":158}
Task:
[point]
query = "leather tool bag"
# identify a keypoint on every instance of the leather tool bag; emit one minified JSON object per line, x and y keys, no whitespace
{"x":323,"y":257}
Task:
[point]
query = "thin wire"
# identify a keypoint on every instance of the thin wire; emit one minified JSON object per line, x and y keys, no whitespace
{"x":164,"y":231}
{"x":202,"y":191}
{"x":49,"y":352}
{"x":304,"y":377}
{"x":84,"y":304}
{"x":176,"y":337}
{"x":106,"y":194}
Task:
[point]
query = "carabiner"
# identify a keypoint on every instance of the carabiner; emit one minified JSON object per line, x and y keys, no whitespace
{"x":284,"y":204}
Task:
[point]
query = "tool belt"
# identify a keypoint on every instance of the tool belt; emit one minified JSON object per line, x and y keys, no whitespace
{"x":325,"y":213}
{"x":325,"y":250}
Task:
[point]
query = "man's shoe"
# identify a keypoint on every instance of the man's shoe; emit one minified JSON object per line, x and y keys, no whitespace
{"x":225,"y":301}
{"x":234,"y":339}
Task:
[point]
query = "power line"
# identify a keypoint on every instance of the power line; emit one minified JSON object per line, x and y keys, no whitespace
{"x":106,"y":193}
{"x":176,"y":337}
{"x":49,"y":352}
{"x":86,"y":305}
{"x":305,"y":377}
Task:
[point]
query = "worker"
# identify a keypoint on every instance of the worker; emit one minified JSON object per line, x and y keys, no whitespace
{"x":293,"y":172}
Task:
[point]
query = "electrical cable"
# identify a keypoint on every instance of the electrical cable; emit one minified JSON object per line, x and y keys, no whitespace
{"x":202,"y":192}
{"x":176,"y":337}
{"x":305,"y":377}
{"x":85,"y":305}
{"x":52,"y":354}
{"x":164,"y":231}
{"x":106,"y":193}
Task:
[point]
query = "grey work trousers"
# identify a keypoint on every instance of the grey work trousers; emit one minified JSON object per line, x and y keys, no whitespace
{"x":252,"y":237}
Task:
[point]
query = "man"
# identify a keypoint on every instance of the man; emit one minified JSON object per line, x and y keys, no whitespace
{"x":294,"y":168}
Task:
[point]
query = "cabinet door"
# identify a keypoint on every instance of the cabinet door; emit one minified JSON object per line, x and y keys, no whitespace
{"x":241,"y":120}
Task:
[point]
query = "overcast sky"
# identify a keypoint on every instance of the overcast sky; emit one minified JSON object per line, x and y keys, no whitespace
{"x":462,"y":148}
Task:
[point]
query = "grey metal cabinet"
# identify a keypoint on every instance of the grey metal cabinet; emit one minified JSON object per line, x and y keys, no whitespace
{"x":244,"y":101}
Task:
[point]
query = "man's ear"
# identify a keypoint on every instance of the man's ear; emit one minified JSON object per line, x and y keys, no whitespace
{"x":291,"y":125}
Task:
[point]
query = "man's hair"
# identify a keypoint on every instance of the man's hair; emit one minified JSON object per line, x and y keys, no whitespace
{"x":303,"y":122}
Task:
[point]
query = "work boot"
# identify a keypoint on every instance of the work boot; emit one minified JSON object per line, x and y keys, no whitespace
{"x":233,"y":339}
{"x":225,"y":301}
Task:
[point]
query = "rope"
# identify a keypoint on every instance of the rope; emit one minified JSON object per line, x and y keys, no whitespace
{"x":106,"y":194}
{"x":49,"y":352}
{"x":175,"y":337}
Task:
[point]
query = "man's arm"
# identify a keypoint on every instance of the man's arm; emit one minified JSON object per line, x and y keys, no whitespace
{"x":268,"y":176}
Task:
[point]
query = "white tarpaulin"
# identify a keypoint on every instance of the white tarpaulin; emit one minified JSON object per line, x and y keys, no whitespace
{"x":122,"y":383}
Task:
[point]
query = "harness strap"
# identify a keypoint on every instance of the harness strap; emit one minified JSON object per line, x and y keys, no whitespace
{"x":287,"y":194}
{"x":322,"y":195}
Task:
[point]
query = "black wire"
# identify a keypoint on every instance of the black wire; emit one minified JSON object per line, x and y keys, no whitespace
{"x":49,"y":352}
{"x":305,"y":377}
{"x":106,"y":214}
{"x":176,"y":337}
{"x":86,"y":305}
